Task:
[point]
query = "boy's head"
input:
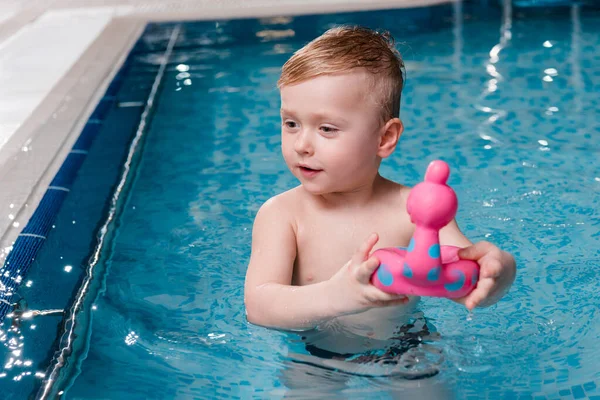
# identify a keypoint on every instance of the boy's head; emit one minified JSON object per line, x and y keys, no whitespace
{"x":340,"y":98}
{"x":348,"y":49}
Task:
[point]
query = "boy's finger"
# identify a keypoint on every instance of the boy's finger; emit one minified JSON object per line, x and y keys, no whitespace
{"x":481,"y":292}
{"x":475,"y":251}
{"x":492,"y":269}
{"x":399,"y":301}
{"x":367,"y":269}
{"x":396,"y":301}
{"x":383,"y":297}
{"x":365,"y":249}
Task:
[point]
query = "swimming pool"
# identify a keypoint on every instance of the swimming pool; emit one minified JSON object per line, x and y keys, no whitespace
{"x":507,"y":96}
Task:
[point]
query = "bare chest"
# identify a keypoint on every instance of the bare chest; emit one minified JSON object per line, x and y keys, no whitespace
{"x":326,"y":242}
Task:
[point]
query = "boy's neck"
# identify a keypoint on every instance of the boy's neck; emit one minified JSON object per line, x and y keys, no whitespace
{"x":357,"y":197}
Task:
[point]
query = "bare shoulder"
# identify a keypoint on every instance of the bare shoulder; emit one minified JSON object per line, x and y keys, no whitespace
{"x":395,"y":193}
{"x":282,"y":207}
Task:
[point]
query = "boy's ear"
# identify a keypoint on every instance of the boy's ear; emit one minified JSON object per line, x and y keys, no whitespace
{"x":392,"y":131}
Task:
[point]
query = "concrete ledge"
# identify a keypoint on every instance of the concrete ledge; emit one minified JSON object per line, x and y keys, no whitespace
{"x":164,"y":12}
{"x":33,"y":155}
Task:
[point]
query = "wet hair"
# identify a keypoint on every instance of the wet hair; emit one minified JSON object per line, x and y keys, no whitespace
{"x":345,"y":49}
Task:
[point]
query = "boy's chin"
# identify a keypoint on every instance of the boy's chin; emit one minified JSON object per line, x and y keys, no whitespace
{"x":313,"y":189}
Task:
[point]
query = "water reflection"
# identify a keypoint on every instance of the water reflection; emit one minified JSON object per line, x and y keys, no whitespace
{"x":496,"y":77}
{"x":17,"y":364}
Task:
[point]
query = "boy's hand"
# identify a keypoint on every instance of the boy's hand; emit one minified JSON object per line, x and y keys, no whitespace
{"x":351,"y":288}
{"x":497,"y":270}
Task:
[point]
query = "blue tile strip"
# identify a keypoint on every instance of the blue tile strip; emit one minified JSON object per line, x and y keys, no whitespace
{"x":40,"y":222}
{"x":62,"y":371}
{"x":32,"y":237}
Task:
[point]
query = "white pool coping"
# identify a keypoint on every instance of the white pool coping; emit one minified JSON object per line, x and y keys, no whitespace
{"x":57,"y":57}
{"x":63,"y":36}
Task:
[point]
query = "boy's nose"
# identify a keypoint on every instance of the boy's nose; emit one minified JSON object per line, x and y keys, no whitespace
{"x":303,"y":144}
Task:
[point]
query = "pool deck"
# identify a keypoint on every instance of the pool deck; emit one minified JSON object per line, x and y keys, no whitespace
{"x":58,"y":56}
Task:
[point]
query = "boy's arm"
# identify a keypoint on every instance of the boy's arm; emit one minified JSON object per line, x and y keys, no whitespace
{"x":270,"y":298}
{"x":497,"y":268}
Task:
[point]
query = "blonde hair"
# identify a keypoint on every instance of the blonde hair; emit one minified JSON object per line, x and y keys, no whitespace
{"x":343,"y":49}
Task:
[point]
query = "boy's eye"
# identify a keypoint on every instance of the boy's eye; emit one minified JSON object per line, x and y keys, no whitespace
{"x":328,"y":129}
{"x":290,"y":124}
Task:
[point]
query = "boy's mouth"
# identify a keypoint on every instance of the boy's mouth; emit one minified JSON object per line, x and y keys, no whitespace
{"x":308,"y":172}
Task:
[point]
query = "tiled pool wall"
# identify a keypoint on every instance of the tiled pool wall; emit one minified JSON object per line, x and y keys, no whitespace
{"x":35,"y":232}
{"x":63,"y":227}
{"x":33,"y":235}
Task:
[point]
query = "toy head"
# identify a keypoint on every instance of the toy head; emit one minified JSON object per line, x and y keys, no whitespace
{"x":432,"y":203}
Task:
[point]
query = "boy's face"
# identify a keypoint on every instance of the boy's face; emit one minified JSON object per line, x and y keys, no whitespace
{"x":330,"y":132}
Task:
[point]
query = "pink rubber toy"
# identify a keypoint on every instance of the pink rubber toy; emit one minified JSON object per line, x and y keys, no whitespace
{"x":425,"y":269}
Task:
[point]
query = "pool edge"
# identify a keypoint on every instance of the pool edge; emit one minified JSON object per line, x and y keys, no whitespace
{"x":53,"y":128}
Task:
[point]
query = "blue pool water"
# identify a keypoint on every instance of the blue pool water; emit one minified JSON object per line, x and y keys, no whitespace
{"x":506,"y":95}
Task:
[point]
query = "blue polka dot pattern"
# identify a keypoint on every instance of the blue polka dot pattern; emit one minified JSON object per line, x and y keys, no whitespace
{"x":384,"y":275}
{"x":434,"y":251}
{"x":411,"y":245}
{"x":434,"y":273}
{"x":454,"y":286}
{"x":406,"y":271}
